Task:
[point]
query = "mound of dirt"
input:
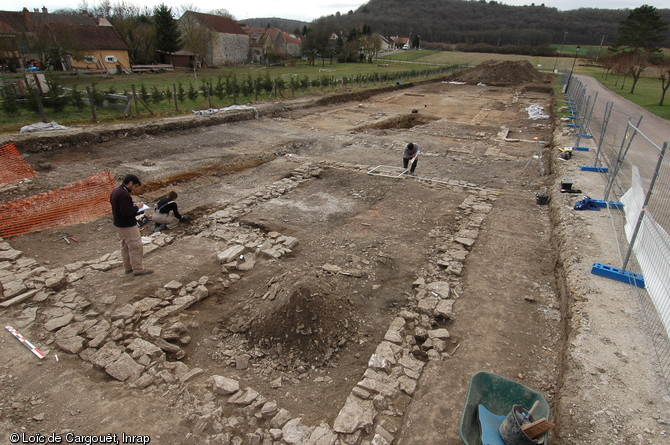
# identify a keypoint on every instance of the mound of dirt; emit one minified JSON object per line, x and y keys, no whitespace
{"x":500,"y":73}
{"x":304,"y":316}
{"x":404,"y":122}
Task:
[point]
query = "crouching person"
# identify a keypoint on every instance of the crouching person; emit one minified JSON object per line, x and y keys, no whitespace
{"x":166,"y":214}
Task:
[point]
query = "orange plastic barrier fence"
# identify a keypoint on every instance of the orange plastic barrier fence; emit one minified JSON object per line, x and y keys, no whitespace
{"x":82,"y":201}
{"x":12,"y":165}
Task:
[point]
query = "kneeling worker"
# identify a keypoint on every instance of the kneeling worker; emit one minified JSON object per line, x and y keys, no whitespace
{"x":162,"y":217}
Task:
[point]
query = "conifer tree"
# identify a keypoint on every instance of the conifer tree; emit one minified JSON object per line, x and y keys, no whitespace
{"x":168,"y":36}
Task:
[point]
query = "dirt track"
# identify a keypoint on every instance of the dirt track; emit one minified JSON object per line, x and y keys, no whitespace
{"x":336,"y":262}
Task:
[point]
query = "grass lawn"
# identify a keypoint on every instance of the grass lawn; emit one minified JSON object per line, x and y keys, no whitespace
{"x":647,"y":91}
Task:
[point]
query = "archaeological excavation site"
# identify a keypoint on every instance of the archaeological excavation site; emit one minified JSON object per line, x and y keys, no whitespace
{"x":318,"y":295}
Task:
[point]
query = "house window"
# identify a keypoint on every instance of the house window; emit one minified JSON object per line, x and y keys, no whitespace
{"x":90,"y":60}
{"x":110,"y":59}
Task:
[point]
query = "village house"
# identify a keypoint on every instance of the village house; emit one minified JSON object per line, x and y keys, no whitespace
{"x":266,"y":45}
{"x":388,"y":43}
{"x":269,"y":45}
{"x":400,"y":42}
{"x":293,"y":44}
{"x":81,"y":42}
{"x":227,"y":42}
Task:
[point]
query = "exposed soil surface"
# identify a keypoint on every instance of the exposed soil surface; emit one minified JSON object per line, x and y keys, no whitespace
{"x":338,"y":245}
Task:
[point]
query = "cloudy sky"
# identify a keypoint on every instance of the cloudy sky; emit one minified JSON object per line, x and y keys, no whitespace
{"x":308,"y":10}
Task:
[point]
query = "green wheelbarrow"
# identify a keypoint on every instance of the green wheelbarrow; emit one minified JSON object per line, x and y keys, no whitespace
{"x":490,"y":399}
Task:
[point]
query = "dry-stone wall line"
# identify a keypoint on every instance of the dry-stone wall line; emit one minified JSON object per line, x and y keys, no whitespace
{"x":376,"y":405}
{"x":130,"y":343}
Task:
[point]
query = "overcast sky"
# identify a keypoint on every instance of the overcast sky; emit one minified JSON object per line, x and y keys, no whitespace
{"x":308,"y":10}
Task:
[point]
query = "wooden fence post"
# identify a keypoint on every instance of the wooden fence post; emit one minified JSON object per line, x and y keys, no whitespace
{"x":40,"y":107}
{"x":91,"y":102}
{"x":129,"y":109}
{"x":137,"y":108}
{"x":137,"y":98}
{"x":209,"y":93}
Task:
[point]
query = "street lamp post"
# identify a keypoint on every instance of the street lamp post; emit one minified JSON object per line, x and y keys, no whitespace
{"x":567,"y":85}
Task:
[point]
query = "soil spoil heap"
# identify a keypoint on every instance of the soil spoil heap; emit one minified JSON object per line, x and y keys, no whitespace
{"x":500,"y":73}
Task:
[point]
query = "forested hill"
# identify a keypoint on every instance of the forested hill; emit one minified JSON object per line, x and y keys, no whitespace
{"x":462,"y":21}
{"x":287,"y":25}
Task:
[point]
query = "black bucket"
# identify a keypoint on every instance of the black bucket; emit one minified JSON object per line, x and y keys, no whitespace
{"x":541,"y":198}
{"x":510,"y":428}
{"x":566,"y":184}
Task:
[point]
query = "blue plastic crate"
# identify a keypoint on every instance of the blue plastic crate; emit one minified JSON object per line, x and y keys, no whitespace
{"x":593,"y":168}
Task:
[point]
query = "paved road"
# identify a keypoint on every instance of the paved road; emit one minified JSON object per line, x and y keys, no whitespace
{"x":655,"y":129}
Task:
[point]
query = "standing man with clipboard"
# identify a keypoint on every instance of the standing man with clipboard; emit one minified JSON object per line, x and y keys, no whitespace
{"x":124,"y":212}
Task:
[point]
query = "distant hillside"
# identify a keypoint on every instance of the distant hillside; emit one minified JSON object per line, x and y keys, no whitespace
{"x":286,"y":25}
{"x":461,"y":21}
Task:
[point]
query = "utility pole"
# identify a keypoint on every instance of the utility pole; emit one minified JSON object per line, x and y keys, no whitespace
{"x":565,"y":33}
{"x":600,"y":47}
{"x":567,"y":84}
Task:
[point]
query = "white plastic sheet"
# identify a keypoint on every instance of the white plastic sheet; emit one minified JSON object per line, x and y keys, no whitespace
{"x":536,"y":112}
{"x":211,"y":111}
{"x":650,"y":248}
{"x":42,"y":126}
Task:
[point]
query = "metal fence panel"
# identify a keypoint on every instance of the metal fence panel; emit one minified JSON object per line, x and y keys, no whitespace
{"x":639,"y":177}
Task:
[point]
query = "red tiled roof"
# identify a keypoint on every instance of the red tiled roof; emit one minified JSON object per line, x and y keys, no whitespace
{"x":90,"y":37}
{"x":292,"y":38}
{"x":64,"y":19}
{"x":251,"y":31}
{"x":5,"y":28}
{"x":14,"y":20}
{"x":273,"y":32}
{"x":218,"y":23}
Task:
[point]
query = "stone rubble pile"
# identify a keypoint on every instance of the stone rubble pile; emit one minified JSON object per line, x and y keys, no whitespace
{"x":22,"y":278}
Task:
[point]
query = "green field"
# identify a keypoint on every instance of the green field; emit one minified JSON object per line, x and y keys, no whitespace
{"x":255,"y":84}
{"x":647,"y":91}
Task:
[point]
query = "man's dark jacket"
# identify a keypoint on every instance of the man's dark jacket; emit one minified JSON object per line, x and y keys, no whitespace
{"x":123,"y":209}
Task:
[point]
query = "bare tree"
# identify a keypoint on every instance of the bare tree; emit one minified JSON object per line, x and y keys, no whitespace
{"x":222,"y":12}
{"x":663,"y":67}
{"x":140,"y":35}
{"x":53,"y":50}
{"x":640,"y":35}
{"x":184,"y":7}
{"x":195,"y":37}
{"x":371,"y":45}
{"x":637,"y":63}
